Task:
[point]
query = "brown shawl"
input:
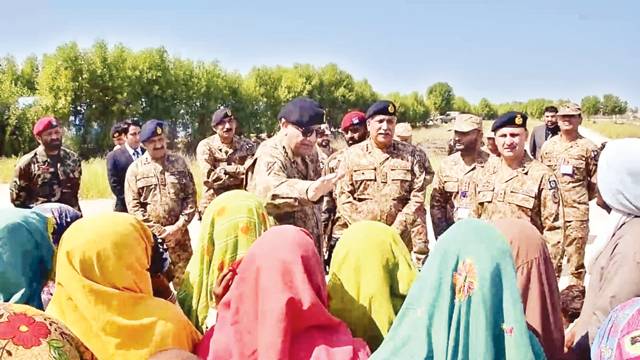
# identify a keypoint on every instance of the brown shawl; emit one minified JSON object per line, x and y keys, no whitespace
{"x":537,"y":283}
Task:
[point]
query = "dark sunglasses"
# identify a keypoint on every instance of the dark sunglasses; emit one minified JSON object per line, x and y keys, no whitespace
{"x":309,"y":131}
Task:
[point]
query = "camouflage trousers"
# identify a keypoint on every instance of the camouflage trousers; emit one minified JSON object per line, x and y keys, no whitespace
{"x":575,"y":241}
{"x":180,"y":253}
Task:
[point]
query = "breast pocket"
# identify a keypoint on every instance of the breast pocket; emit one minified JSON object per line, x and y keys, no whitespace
{"x":450,"y":184}
{"x":176,"y":181}
{"x":400,"y":178}
{"x":522,"y":197}
{"x":485,"y":193}
{"x":364,"y":181}
{"x":146,"y":187}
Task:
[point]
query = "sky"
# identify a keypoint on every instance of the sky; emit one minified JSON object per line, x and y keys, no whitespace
{"x":503,"y":50}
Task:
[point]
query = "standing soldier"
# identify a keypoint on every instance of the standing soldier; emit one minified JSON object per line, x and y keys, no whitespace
{"x":516,"y":186}
{"x":354,"y":129}
{"x":574,"y":160}
{"x":286,"y":172}
{"x":451,"y":197}
{"x":50,"y":173}
{"x":385,"y":180}
{"x":404,"y":133}
{"x":222,"y":157}
{"x":159,"y":190}
{"x":323,"y":144}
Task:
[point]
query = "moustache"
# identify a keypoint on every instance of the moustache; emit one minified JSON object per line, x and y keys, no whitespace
{"x":158,"y":149}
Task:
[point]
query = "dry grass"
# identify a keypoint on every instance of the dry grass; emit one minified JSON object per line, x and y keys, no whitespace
{"x":614,"y":131}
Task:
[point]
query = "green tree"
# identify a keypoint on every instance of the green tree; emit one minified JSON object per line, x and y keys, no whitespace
{"x":411,"y":107}
{"x":613,"y":105}
{"x":486,"y":110}
{"x":440,"y":98}
{"x":591,"y":105}
{"x":461,"y":104}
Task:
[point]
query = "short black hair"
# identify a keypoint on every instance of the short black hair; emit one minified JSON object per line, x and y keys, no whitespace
{"x":571,"y":300}
{"x":551,"y":109}
{"x":131,"y":122}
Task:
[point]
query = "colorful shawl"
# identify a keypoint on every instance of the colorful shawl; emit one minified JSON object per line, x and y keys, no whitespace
{"x":537,"y":283}
{"x":231,"y":223}
{"x":26,"y":256}
{"x":28,"y":333}
{"x":619,"y":335}
{"x":104,"y":295}
{"x":276,"y":307}
{"x":370,"y":275}
{"x":464,"y":304}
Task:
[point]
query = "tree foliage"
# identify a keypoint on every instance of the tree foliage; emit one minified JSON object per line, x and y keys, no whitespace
{"x":440,"y":98}
{"x":591,"y":105}
{"x":486,"y":109}
{"x":613,"y":105}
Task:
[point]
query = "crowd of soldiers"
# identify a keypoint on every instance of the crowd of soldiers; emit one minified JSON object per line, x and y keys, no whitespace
{"x":304,"y":182}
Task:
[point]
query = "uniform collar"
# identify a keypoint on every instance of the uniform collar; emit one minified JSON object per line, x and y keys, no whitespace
{"x":42,"y":155}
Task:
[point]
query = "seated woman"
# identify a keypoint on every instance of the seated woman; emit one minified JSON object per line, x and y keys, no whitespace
{"x":62,"y":216}
{"x":369,"y":277}
{"x":537,"y":282}
{"x":619,"y":334}
{"x":28,"y":333}
{"x":613,"y":261}
{"x":277,"y":306}
{"x":26,"y":256}
{"x":104,"y":294}
{"x":465,"y":303}
{"x":231,"y":223}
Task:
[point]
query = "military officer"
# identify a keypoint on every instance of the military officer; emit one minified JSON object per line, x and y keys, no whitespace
{"x":516,"y":186}
{"x":50,"y":173}
{"x":323,"y":144}
{"x":159,"y":190}
{"x":222,"y":157}
{"x":574,"y":160}
{"x":452,"y":194}
{"x":385,"y":180}
{"x":354,"y":128}
{"x":286,"y":171}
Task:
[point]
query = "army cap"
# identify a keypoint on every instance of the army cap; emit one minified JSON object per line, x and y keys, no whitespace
{"x":403,"y":130}
{"x":302,"y":112}
{"x":569,"y":109}
{"x":118,"y":129}
{"x":352,"y":118}
{"x":220,"y":115}
{"x":150,"y":129}
{"x":467,"y":122}
{"x":510,"y":119}
{"x":44,"y":124}
{"x":382,"y":107}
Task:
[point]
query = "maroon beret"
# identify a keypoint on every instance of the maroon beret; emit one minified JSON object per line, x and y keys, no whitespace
{"x":44,"y":124}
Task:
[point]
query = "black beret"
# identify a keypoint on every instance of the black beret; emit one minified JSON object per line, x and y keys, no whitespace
{"x":116,"y":130}
{"x":150,"y":129}
{"x":303,"y":112}
{"x":220,"y":115}
{"x":510,"y":119}
{"x":382,"y":107}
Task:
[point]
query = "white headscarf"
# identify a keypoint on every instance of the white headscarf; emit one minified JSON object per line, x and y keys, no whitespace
{"x":619,"y":186}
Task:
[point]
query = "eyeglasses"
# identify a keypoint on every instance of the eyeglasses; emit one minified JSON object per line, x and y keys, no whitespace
{"x":309,"y":131}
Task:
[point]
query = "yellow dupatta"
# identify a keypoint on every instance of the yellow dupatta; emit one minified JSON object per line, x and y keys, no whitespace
{"x":104,"y":295}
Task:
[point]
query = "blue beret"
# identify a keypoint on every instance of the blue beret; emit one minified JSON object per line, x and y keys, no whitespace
{"x":303,"y":112}
{"x":510,"y":119}
{"x":382,"y":107}
{"x":150,"y":129}
{"x":220,"y":115}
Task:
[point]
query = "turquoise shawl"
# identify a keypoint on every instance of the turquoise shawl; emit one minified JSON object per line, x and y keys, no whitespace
{"x":26,"y":255}
{"x":465,"y":303}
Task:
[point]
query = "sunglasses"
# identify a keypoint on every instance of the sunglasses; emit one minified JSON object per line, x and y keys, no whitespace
{"x":309,"y":131}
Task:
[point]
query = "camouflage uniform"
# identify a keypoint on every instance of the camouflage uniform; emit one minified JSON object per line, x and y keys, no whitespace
{"x":329,"y":207}
{"x":575,"y":164}
{"x":387,"y":186}
{"x":40,"y":178}
{"x":452,"y":194}
{"x":323,"y":154}
{"x":222,"y":165}
{"x":282,"y":180}
{"x":160,"y":195}
{"x":530,"y":193}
